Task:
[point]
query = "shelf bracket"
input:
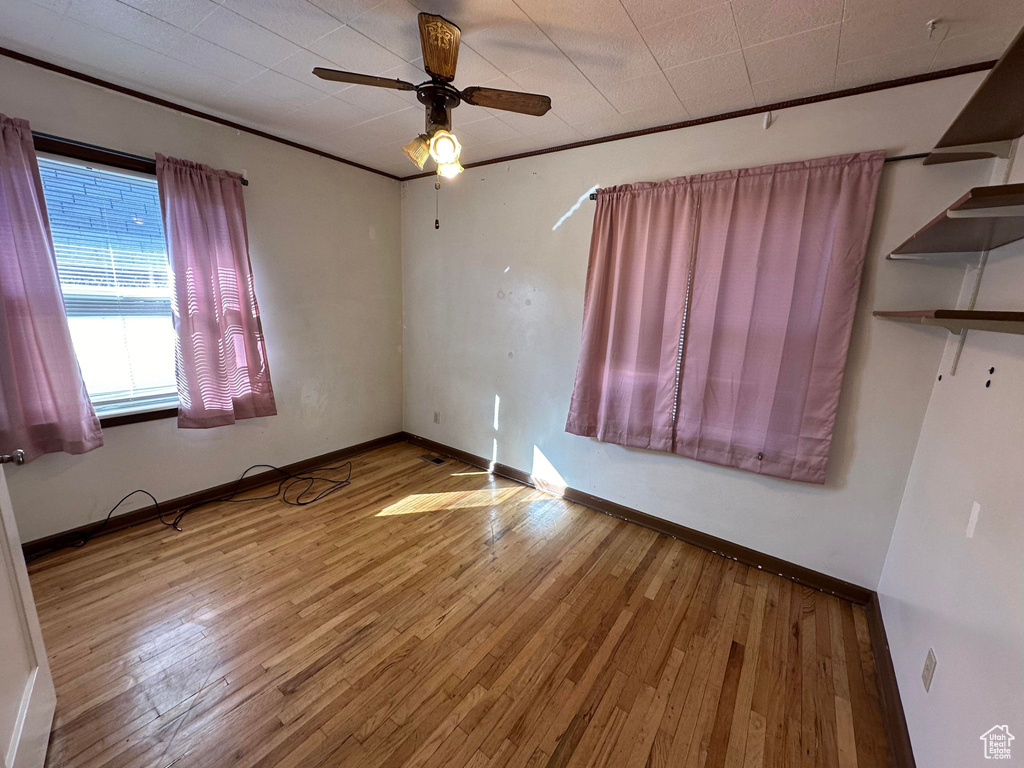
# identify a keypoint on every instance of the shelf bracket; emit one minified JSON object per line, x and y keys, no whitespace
{"x":971,"y":284}
{"x":1002,"y":212}
{"x":987,"y":148}
{"x":968,"y":297}
{"x":915,"y":256}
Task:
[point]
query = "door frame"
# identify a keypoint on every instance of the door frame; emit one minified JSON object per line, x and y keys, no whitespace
{"x":27,"y":748}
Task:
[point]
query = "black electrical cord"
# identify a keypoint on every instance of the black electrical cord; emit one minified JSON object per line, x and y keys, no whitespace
{"x":289,"y":481}
{"x":98,"y":531}
{"x":283,"y":487}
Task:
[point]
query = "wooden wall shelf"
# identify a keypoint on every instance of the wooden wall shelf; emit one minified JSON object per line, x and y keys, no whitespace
{"x":984,"y":218}
{"x":992,"y":118}
{"x":957,"y":320}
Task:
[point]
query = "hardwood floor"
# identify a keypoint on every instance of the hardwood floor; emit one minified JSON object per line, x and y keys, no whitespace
{"x":438,"y":616}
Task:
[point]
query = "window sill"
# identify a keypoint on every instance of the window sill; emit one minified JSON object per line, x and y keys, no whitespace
{"x":135,"y":418}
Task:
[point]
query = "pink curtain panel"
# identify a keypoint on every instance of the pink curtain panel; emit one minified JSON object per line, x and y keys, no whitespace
{"x":222,"y":369}
{"x":44,"y":405}
{"x":718,"y":313}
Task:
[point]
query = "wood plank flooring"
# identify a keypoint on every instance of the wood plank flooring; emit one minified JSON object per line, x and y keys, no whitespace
{"x":433,"y":616}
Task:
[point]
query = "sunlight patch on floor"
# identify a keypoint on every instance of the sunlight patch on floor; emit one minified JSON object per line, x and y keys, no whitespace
{"x":418,"y":503}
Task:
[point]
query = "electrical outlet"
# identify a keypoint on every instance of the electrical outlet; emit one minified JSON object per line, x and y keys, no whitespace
{"x":437,"y":417}
{"x":929,"y":670}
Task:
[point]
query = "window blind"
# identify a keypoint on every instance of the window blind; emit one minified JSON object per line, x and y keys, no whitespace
{"x":112,"y":261}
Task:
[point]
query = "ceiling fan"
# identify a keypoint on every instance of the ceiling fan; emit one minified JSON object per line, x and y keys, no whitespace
{"x":439,"y":40}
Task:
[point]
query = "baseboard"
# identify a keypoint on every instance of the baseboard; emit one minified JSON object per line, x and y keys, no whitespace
{"x":745,"y":555}
{"x":892,"y":707}
{"x":33,"y":549}
{"x":902,"y":751}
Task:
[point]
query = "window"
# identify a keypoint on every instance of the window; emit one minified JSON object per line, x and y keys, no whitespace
{"x":112,"y":261}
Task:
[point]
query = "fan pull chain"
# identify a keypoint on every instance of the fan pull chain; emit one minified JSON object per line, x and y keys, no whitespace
{"x":437,"y":195}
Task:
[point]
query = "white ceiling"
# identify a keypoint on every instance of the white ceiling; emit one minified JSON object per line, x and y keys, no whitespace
{"x":609,"y":65}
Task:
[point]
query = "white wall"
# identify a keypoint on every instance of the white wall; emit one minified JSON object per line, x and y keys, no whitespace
{"x":963,"y":596}
{"x":325,"y":243}
{"x":493,"y":307}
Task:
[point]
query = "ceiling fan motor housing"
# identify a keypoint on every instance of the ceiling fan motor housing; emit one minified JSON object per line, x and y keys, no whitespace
{"x":439,"y":99}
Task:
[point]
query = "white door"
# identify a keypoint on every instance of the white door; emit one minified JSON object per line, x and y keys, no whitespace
{"x":27,"y":698}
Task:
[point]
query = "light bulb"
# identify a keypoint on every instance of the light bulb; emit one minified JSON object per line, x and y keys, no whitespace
{"x":444,"y":147}
{"x":450,"y":170}
{"x":444,"y":150}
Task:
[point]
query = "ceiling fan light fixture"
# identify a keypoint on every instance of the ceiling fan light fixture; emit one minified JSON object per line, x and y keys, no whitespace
{"x":439,"y":42}
{"x":418,"y":150}
{"x":445,"y":148}
{"x":450,"y":170}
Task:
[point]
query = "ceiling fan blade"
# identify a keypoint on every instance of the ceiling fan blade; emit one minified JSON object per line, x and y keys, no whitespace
{"x":357,"y":79}
{"x":510,"y":101}
{"x":439,"y":40}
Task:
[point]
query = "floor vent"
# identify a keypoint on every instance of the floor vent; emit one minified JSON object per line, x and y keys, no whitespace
{"x":432,"y":459}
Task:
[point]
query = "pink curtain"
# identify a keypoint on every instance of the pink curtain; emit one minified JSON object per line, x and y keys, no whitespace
{"x":640,"y":251}
{"x":44,"y":406}
{"x":718,"y":313}
{"x":222,"y":368}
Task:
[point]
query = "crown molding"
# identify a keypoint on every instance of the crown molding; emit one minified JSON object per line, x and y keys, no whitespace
{"x":48,"y":66}
{"x":881,"y":86}
{"x":777,"y":106}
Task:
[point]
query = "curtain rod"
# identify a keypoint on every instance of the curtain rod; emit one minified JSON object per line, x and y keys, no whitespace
{"x":893,"y":159}
{"x":79,"y":150}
